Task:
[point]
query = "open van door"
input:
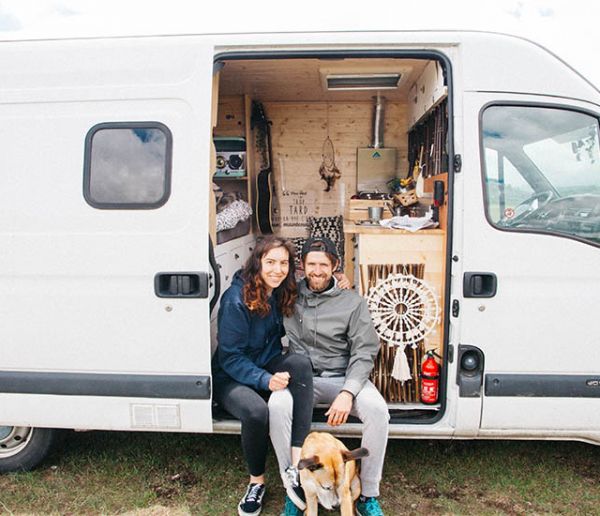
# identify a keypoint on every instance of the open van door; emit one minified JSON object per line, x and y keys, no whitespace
{"x":530,"y":261}
{"x":106,"y":199}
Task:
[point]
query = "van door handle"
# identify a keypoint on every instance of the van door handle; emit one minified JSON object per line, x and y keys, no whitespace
{"x":181,"y":284}
{"x":479,"y":284}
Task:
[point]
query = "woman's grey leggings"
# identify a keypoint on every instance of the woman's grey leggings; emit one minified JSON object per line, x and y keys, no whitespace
{"x":251,"y":408}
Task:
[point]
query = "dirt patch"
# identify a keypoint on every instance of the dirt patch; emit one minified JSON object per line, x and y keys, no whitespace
{"x":157,"y":510}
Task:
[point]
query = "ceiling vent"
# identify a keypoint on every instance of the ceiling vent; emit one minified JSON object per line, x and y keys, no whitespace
{"x":367,"y":81}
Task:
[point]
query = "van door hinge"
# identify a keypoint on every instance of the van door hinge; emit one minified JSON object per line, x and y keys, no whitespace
{"x":457,"y":163}
{"x":455,"y":308}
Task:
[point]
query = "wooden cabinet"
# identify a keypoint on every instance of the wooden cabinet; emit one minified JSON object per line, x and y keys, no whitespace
{"x":378,"y":254}
{"x":233,"y":121}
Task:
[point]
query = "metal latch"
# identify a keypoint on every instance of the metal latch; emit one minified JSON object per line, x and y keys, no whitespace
{"x":457,"y":163}
{"x":455,"y":308}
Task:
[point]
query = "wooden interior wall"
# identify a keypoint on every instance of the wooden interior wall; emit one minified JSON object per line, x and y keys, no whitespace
{"x":231,"y":116}
{"x":298,"y":133}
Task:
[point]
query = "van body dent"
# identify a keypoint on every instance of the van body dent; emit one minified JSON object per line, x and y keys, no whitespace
{"x":107,"y":281}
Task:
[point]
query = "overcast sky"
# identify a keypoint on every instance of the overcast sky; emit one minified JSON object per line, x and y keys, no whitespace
{"x":567,"y":27}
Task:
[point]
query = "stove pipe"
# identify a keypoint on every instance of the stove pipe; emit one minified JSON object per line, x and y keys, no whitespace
{"x":378,"y":122}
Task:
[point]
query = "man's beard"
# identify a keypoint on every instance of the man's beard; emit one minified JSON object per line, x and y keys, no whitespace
{"x":318,"y":283}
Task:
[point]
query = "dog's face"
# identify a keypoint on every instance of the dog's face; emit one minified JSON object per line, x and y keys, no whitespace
{"x":324,"y":474}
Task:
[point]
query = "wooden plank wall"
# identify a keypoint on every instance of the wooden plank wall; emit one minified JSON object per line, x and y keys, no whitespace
{"x":231,"y":116}
{"x":298,"y":133}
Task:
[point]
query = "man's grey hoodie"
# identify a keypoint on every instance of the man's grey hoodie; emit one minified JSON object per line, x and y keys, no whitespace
{"x":334,"y":329}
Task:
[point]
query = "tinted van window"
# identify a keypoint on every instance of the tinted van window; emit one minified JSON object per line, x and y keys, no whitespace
{"x":127,"y":166}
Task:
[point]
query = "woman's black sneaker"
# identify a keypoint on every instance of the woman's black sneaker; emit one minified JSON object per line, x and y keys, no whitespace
{"x":251,"y":503}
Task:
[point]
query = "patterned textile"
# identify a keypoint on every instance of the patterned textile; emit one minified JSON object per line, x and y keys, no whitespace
{"x":332,"y":228}
{"x":298,"y":243}
{"x":232,"y":214}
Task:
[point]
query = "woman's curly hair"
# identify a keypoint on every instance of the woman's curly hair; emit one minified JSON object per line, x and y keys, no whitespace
{"x":255,"y":291}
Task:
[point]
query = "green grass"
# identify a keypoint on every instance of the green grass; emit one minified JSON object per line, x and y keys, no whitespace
{"x":157,"y":474}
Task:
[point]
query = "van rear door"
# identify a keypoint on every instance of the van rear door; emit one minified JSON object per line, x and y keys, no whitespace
{"x":530,"y":349}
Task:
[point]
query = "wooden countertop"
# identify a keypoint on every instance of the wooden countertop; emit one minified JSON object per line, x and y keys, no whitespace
{"x":368,"y":229}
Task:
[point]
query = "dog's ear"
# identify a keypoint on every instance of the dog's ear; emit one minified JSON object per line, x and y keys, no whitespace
{"x":359,"y":453}
{"x":311,"y":463}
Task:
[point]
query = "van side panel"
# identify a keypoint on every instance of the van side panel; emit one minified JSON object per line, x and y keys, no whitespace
{"x":78,"y":280}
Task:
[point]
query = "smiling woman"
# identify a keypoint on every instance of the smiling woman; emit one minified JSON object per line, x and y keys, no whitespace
{"x":249,"y":363}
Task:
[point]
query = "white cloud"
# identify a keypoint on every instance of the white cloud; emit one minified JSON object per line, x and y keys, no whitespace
{"x":9,"y":23}
{"x":516,"y":11}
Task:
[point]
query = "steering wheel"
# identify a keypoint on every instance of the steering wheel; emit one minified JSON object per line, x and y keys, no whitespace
{"x":527,"y":208}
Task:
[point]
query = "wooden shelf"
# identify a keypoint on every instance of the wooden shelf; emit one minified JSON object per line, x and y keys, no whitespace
{"x":244,"y":178}
{"x":351,"y":227}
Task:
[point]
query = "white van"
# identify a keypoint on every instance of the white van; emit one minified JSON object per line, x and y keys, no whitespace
{"x":112,"y":150}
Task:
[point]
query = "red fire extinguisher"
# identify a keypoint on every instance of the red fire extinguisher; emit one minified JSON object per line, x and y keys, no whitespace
{"x":430,"y":379}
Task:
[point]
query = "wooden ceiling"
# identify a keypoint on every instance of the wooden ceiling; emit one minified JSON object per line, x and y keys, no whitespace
{"x":302,"y":80}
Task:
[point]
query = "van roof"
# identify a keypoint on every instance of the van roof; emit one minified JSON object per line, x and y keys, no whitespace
{"x":482,"y":61}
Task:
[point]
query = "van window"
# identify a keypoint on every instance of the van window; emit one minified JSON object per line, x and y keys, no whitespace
{"x":127,"y":166}
{"x":542,"y":170}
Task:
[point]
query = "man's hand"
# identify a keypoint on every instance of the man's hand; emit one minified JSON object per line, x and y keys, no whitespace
{"x":340,"y":409}
{"x":279,"y":381}
{"x":342,"y":280}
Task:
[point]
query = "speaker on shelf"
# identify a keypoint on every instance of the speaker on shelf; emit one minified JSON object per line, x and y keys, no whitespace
{"x":231,"y":156}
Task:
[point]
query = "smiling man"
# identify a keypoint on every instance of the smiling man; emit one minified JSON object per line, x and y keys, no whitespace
{"x":333,"y":327}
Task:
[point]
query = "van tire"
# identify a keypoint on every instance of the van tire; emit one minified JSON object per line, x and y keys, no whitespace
{"x":23,"y":448}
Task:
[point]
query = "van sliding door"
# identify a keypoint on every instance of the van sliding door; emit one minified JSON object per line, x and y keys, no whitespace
{"x":108,"y":291}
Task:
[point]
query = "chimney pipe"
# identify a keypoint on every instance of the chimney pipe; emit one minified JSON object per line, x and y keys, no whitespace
{"x":378,"y":122}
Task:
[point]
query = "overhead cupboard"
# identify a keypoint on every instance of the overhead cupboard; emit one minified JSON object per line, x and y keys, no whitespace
{"x":352,"y":148}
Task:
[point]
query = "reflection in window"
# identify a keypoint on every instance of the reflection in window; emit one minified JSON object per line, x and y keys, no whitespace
{"x":542,"y":170}
{"x":505,"y":186}
{"x":127,"y":166}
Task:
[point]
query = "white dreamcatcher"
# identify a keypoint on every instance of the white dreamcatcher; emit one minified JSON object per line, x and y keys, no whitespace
{"x":404,"y":310}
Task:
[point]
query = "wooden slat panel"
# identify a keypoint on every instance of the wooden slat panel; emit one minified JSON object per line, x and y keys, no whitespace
{"x":408,"y":248}
{"x":231,"y":117}
{"x":387,"y":248}
{"x":298,"y":133}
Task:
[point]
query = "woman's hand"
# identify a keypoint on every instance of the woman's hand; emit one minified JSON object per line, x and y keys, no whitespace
{"x":279,"y":381}
{"x":342,"y":280}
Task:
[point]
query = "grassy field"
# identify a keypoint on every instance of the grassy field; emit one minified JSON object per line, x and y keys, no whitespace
{"x":156,"y":474}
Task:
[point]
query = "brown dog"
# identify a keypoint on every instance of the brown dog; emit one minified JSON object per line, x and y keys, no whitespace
{"x":329,"y":474}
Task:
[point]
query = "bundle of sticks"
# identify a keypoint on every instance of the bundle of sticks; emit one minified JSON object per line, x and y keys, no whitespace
{"x":430,"y":135}
{"x":392,"y":390}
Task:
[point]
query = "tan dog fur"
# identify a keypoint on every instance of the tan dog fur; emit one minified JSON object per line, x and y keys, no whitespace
{"x":329,"y":474}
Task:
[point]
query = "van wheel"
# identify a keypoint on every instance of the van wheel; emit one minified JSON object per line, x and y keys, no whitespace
{"x":23,"y":447}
